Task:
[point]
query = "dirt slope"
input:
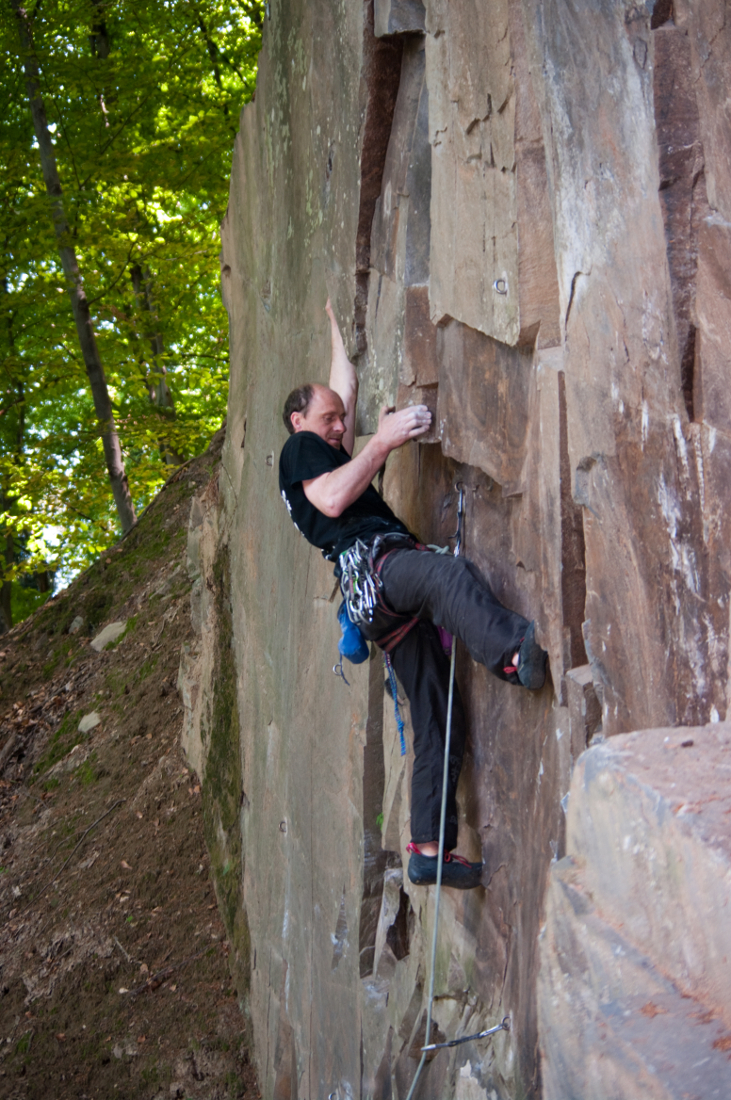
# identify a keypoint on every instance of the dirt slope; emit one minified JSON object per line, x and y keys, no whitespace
{"x":114,"y":978}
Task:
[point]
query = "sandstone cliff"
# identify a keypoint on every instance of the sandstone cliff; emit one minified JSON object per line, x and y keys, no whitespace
{"x":521,"y":210}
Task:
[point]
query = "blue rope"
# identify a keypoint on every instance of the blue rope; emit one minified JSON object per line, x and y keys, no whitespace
{"x":396,"y":708}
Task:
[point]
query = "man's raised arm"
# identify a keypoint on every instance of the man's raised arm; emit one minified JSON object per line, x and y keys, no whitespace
{"x":343,"y":379}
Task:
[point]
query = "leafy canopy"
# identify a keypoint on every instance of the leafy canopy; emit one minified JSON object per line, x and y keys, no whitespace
{"x":143,"y":103}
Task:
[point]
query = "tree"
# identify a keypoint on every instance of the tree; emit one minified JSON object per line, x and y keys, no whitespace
{"x":142,"y":103}
{"x":69,"y":263}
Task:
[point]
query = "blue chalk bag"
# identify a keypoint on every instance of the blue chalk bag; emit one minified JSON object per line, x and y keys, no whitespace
{"x":352,"y":644}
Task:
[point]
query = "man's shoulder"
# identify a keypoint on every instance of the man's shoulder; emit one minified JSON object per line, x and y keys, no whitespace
{"x":303,"y":444}
{"x":307,"y":454}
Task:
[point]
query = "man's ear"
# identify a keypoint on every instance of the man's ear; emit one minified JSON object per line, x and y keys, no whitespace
{"x":295,"y":420}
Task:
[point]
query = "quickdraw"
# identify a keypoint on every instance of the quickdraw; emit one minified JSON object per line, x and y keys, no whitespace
{"x":396,"y":708}
{"x":359,"y":583}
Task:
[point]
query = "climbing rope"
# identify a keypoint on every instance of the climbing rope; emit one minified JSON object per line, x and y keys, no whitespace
{"x":505,"y":1025}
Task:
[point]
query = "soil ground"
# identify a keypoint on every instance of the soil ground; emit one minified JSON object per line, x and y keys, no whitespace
{"x":114,"y":979}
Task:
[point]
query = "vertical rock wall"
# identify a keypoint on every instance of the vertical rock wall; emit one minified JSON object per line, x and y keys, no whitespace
{"x":521,"y":211}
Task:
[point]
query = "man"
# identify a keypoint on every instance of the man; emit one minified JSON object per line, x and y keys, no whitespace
{"x":332,"y":502}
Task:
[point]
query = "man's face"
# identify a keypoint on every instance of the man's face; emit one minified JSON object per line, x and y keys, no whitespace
{"x":325,"y":416}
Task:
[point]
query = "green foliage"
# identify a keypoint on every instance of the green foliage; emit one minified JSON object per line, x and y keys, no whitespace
{"x":25,"y":600}
{"x":143,"y":103}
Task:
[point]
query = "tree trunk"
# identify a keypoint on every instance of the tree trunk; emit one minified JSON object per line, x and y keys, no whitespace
{"x":99,"y":37}
{"x":157,"y":386}
{"x":6,"y":589}
{"x":79,"y":302}
{"x":8,"y":502}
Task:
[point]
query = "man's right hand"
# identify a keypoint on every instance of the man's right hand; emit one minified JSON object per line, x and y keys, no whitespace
{"x":396,"y":428}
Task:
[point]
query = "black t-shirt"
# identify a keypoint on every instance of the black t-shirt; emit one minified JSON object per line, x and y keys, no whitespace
{"x":304,"y":456}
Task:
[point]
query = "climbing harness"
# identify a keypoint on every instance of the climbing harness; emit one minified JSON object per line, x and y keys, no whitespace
{"x":505,"y":1025}
{"x":368,"y":615}
{"x":364,"y":613}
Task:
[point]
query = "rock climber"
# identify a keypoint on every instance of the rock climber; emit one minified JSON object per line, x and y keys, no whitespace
{"x":330,"y":498}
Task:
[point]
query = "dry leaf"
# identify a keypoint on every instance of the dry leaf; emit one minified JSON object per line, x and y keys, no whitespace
{"x":126,"y":865}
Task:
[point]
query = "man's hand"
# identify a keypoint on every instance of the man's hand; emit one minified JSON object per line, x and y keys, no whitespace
{"x":331,"y":493}
{"x":396,"y":428}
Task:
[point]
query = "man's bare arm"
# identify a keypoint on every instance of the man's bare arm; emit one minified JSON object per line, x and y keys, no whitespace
{"x":343,"y":379}
{"x":331,"y":493}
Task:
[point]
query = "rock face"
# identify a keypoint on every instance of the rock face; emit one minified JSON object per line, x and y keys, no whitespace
{"x":521,"y":212}
{"x":635,"y":982}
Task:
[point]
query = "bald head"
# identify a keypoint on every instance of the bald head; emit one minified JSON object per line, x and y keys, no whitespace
{"x":318,"y":409}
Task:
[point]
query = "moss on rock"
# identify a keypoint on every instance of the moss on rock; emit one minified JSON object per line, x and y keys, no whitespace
{"x":223,"y":785}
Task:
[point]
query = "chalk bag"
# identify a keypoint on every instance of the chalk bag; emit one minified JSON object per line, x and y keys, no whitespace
{"x":352,"y":644}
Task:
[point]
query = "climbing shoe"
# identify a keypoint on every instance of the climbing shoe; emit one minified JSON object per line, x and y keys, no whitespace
{"x":457,"y":872}
{"x":531,"y":661}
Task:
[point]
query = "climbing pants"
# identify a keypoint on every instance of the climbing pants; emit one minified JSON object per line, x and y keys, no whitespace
{"x":450,"y":592}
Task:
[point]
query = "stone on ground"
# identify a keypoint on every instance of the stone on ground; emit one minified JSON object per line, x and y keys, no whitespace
{"x":89,"y":722}
{"x":108,"y":635}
